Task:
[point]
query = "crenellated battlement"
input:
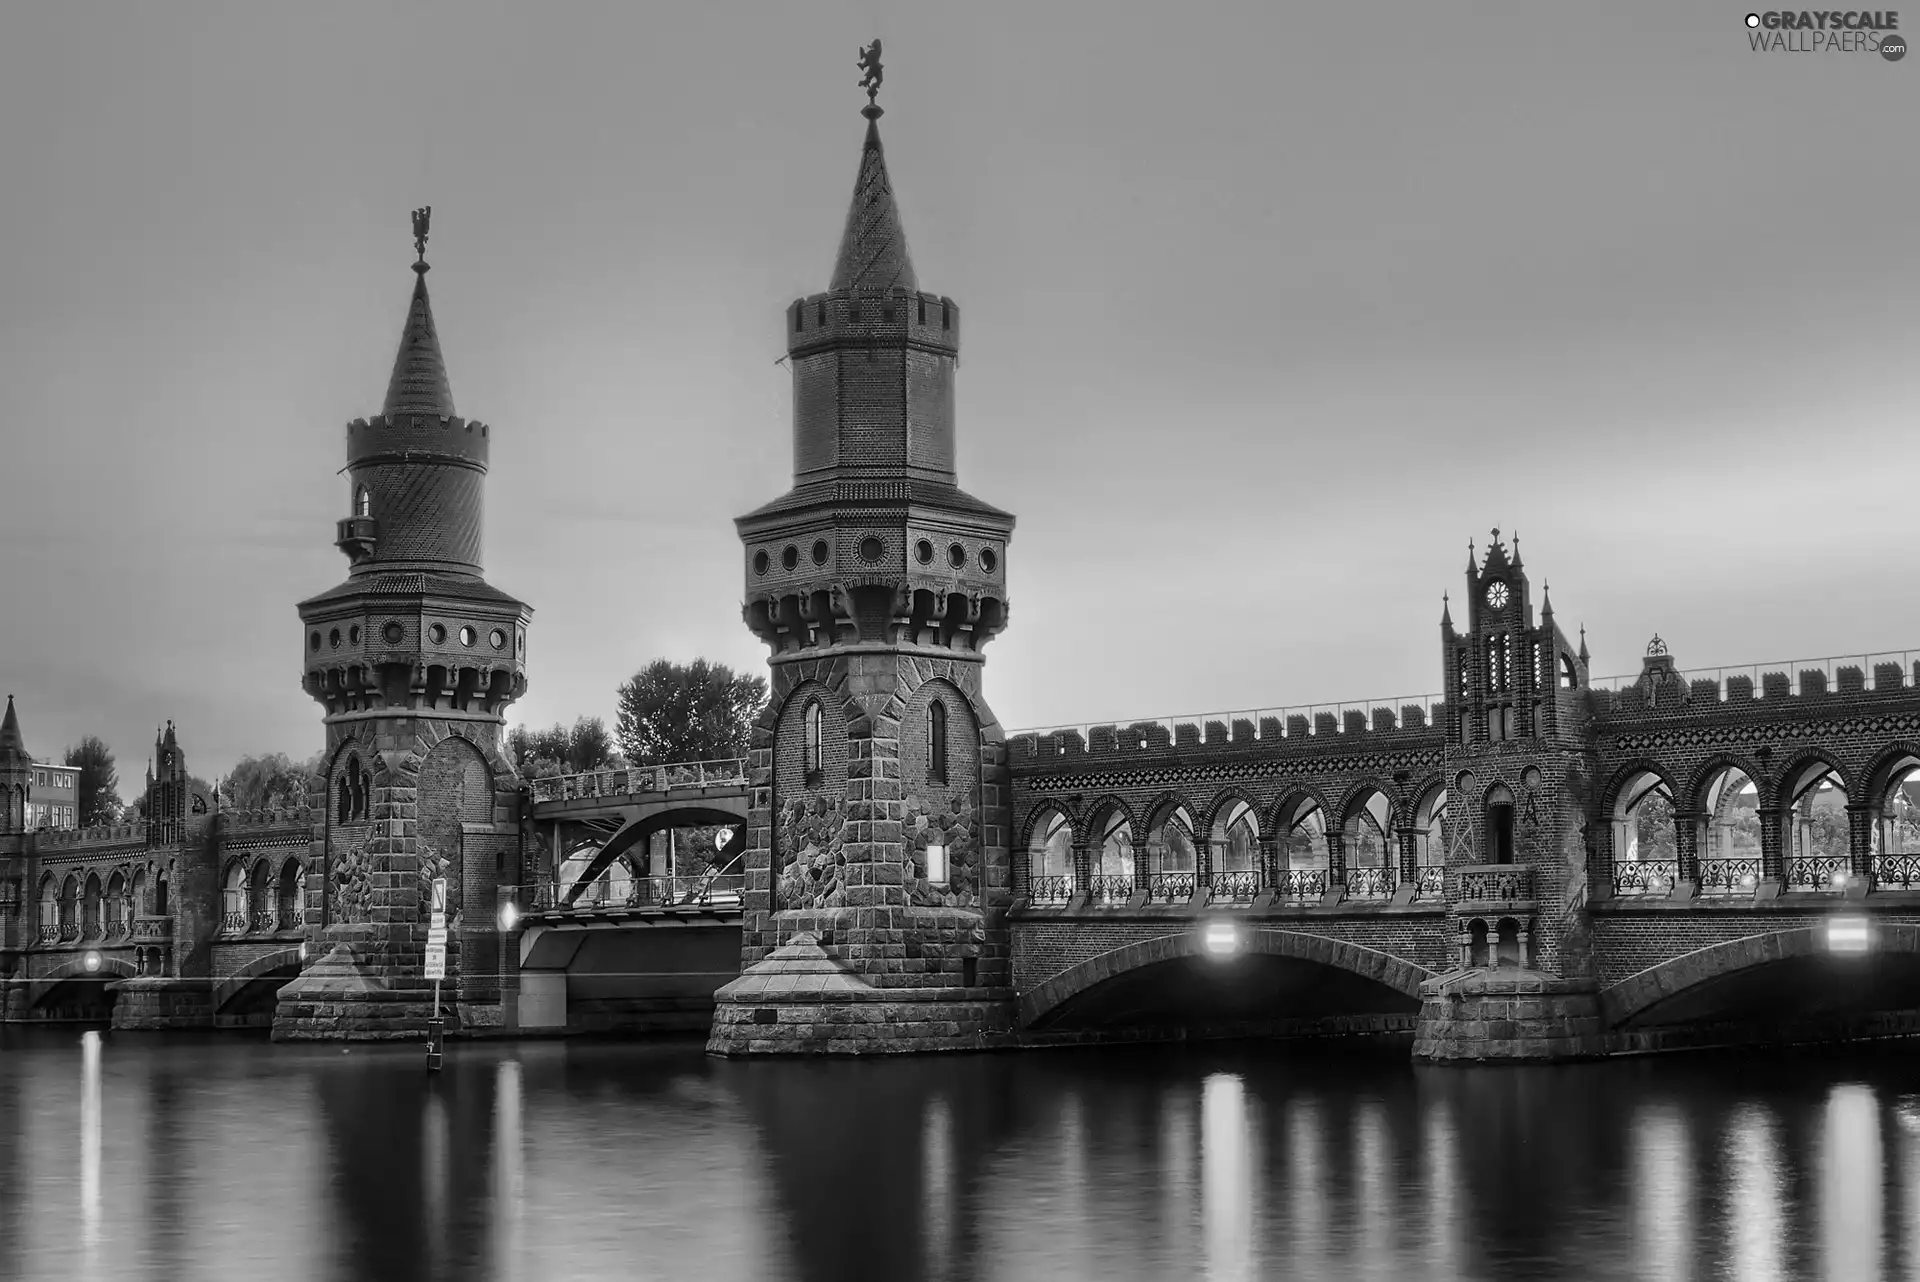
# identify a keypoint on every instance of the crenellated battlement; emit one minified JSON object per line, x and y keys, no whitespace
{"x":296,"y":818}
{"x":894,"y":317}
{"x":99,"y":835}
{"x":387,"y":438}
{"x":1311,"y":729}
{"x":1760,"y":688}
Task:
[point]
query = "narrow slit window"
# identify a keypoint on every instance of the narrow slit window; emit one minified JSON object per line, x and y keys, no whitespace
{"x":811,"y":724}
{"x":937,"y":742}
{"x":362,"y":502}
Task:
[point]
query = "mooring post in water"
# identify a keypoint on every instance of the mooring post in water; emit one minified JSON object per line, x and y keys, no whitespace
{"x":436,"y":970}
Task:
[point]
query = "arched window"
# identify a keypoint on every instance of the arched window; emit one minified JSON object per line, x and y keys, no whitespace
{"x":1569,"y":675}
{"x":937,"y":742}
{"x":811,"y":723}
{"x":160,"y":895}
{"x":366,"y":793}
{"x":1050,"y":861}
{"x":1499,"y":848}
{"x":290,"y":896}
{"x":362,"y":502}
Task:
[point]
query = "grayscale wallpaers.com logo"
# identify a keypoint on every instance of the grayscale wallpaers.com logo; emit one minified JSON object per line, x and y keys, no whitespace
{"x":1828,"y":31}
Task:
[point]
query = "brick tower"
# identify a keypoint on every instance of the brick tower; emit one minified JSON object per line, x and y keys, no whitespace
{"x":414,"y":658}
{"x":877,"y":852}
{"x":16,"y":773}
{"x":1519,"y":772}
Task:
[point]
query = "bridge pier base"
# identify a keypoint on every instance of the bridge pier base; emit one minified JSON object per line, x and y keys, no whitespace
{"x":799,"y":1002}
{"x":156,"y":1004}
{"x":1508,"y":1015}
{"x":346,"y":998}
{"x":542,"y":1001}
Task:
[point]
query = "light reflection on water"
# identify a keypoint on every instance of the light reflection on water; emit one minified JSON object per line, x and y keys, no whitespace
{"x":230,"y":1158}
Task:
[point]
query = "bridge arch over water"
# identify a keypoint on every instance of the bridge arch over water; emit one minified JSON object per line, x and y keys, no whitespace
{"x":1350,"y":978}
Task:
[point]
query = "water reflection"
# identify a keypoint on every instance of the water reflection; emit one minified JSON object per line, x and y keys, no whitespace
{"x":175,"y":1157}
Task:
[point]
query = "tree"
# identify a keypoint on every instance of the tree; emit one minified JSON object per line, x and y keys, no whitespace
{"x":272,"y":782}
{"x":541,"y":754}
{"x":694,"y":712}
{"x":99,"y":782}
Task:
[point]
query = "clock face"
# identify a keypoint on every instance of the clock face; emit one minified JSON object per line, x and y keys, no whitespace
{"x":1497,"y":595}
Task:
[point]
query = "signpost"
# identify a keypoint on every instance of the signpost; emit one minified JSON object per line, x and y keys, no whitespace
{"x":436,"y":969}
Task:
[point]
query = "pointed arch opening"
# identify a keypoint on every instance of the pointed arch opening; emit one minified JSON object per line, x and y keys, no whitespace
{"x":1729,"y":843}
{"x":90,"y":919}
{"x":70,"y":909}
{"x":1306,"y":859}
{"x":116,"y":906}
{"x":362,"y":501}
{"x":1430,"y":835}
{"x":1234,"y":845}
{"x":937,"y":742}
{"x":1498,"y":831}
{"x":1896,"y":826}
{"x":290,"y":896}
{"x":1113,"y":872}
{"x":810,"y":725}
{"x":1371,"y":836}
{"x":1815,"y":842}
{"x":1171,"y":858}
{"x":1050,"y":860}
{"x":233,"y":900}
{"x":1646,"y":843}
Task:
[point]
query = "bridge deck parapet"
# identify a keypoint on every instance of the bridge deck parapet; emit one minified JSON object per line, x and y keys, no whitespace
{"x":1801,"y":687}
{"x":1313,"y":726}
{"x":728,"y":775}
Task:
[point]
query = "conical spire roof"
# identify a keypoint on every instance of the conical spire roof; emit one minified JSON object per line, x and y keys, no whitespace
{"x":11,"y":740}
{"x":873,"y":248}
{"x":419,"y":384}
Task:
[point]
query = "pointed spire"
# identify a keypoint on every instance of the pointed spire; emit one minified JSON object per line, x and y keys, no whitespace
{"x":873,"y":247}
{"x":1473,"y":566}
{"x":1583,"y":643}
{"x":11,"y":740}
{"x":1546,"y":592}
{"x":1516,"y":549}
{"x":419,"y":384}
{"x":1446,"y":613}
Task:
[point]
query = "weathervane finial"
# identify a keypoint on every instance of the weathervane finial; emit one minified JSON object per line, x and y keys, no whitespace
{"x":421,"y":217}
{"x":870,"y":78}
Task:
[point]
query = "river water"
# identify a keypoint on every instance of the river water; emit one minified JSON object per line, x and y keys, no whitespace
{"x":224,"y":1157}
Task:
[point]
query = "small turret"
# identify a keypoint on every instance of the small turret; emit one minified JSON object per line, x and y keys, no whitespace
{"x":16,"y":773}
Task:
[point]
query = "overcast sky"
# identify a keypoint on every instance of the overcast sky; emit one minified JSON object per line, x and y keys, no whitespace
{"x":1269,"y":309}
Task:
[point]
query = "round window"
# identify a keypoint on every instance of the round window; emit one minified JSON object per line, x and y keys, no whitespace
{"x":760,"y":562}
{"x":988,"y":560}
{"x":790,"y":557}
{"x":499,"y":639}
{"x":820,"y":552}
{"x":522,"y":636}
{"x":872,"y":549}
{"x":923,"y":552}
{"x":437,"y":633}
{"x":313,"y":642}
{"x":393,"y":632}
{"x":333,"y":638}
{"x":466,"y":636}
{"x":353,"y":634}
{"x":956,"y":556}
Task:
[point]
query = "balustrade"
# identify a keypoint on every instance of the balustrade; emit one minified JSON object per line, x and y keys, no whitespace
{"x":1235,"y":887}
{"x":1896,"y":872}
{"x":1720,"y":878}
{"x":293,"y":918}
{"x":49,"y":932}
{"x":261,"y":922}
{"x":1109,"y":889}
{"x":1496,"y":883}
{"x":1369,"y":883}
{"x":153,"y":928}
{"x":1645,"y":877}
{"x":1817,"y":872}
{"x":233,"y":923}
{"x":1171,"y":887}
{"x":69,"y":932}
{"x":1430,"y":882}
{"x":1050,"y":890}
{"x":1301,"y":885}
{"x":654,"y":778}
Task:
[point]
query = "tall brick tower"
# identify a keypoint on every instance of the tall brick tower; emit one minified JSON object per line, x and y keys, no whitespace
{"x":878,"y":847}
{"x":16,"y":773}
{"x":1519,"y":771}
{"x":414,"y":658}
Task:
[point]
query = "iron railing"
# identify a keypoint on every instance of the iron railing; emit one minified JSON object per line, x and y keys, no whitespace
{"x":49,"y":932}
{"x":1430,"y":882}
{"x":233,"y":923}
{"x":1720,"y":878}
{"x":1496,"y":883}
{"x":1369,"y":883}
{"x":629,"y":780}
{"x":1234,"y":887}
{"x":69,"y":931}
{"x":1301,"y":885}
{"x":1171,"y":887}
{"x":1645,"y":878}
{"x":1818,"y":872}
{"x":1109,"y":889}
{"x":1896,"y":872}
{"x":293,"y":918}
{"x":1049,"y":890}
{"x":700,"y":890}
{"x":153,"y":927}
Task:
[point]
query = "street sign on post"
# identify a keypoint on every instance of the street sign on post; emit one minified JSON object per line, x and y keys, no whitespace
{"x":436,"y":971}
{"x":436,"y":967}
{"x":439,"y":905}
